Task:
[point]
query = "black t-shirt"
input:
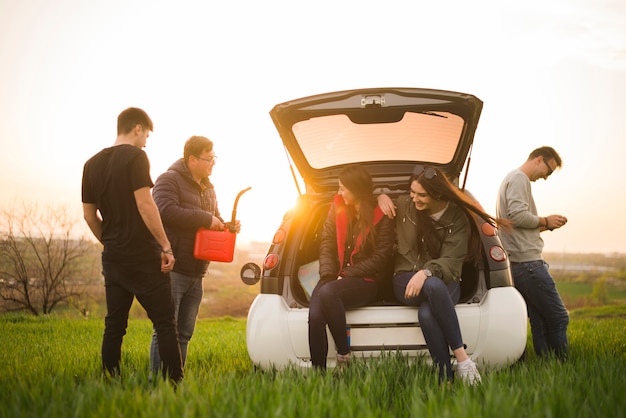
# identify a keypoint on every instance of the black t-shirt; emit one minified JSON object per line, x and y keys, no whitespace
{"x":110,"y":179}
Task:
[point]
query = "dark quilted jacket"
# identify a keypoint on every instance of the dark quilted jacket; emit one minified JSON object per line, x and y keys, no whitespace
{"x":185,"y":206}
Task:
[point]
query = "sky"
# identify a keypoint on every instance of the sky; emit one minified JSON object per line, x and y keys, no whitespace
{"x":549,"y":73}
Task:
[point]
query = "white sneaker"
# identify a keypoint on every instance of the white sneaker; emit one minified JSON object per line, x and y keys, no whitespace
{"x":468,"y":372}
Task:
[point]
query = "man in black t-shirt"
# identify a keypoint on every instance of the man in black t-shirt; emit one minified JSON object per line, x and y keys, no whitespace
{"x":137,"y":256}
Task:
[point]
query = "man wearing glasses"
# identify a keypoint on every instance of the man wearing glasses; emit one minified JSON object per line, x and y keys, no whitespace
{"x":548,"y":317}
{"x":186,"y":200}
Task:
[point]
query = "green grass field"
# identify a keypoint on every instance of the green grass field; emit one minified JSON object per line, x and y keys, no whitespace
{"x":50,"y":367}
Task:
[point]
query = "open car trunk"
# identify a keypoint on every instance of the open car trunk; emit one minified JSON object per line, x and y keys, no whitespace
{"x":309,"y":237}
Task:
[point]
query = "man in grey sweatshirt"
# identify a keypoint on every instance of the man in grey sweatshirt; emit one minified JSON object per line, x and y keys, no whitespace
{"x":548,"y":317}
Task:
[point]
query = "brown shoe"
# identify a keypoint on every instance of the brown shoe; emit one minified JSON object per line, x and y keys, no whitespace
{"x":343,"y":360}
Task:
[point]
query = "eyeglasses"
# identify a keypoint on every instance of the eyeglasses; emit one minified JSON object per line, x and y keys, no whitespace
{"x":428,"y":172}
{"x":208,"y":160}
{"x":550,"y":170}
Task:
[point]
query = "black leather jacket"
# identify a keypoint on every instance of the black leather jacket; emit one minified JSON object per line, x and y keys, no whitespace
{"x":367,"y":260}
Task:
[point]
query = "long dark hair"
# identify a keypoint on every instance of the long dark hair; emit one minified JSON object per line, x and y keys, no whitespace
{"x":359,"y":182}
{"x":439,"y":187}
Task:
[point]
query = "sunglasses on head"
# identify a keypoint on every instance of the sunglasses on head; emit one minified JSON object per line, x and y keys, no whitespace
{"x":427,"y":172}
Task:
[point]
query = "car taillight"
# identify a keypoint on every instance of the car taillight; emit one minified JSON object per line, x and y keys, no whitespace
{"x":497,"y":253}
{"x":279,"y":236}
{"x":488,"y":229}
{"x":271,"y":261}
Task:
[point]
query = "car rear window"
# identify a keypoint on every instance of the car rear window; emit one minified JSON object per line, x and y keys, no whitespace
{"x":333,"y":140}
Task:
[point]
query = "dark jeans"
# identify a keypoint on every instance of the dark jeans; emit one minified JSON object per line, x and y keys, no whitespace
{"x":152,"y":288}
{"x":187,"y":292}
{"x":548,"y":317}
{"x":436,"y":315}
{"x":328,"y":305}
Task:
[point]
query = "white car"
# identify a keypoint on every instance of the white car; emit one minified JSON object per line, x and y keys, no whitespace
{"x":389,"y":131}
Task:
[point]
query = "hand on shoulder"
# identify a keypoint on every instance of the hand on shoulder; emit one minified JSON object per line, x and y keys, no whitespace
{"x":386,"y":205}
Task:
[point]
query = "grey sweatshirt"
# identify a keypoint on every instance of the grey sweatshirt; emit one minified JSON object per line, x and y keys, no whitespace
{"x":515,"y":202}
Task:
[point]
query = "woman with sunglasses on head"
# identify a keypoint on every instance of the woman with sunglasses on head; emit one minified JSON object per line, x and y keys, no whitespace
{"x":356,"y":246}
{"x":436,"y":234}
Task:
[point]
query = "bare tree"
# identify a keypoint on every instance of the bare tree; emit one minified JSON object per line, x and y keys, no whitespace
{"x":42,"y":264}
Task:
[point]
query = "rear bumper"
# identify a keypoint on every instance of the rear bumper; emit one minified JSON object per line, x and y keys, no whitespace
{"x":494,"y":330}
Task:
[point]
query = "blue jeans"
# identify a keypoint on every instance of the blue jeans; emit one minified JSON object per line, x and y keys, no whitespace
{"x":548,"y":317}
{"x":436,"y":315}
{"x":124,"y":282}
{"x":187,"y":292}
{"x":328,"y":305}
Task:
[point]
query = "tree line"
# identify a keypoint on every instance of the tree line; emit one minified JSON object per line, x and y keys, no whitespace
{"x":43,"y":264}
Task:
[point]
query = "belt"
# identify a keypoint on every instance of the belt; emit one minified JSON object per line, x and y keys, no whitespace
{"x":522,"y":262}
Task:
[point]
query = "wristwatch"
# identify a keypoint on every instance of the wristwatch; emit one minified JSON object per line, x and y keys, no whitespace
{"x":427,"y":272}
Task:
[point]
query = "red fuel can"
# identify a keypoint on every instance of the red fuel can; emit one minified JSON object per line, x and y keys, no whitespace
{"x":214,"y":245}
{"x":218,"y":245}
